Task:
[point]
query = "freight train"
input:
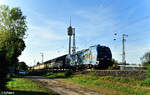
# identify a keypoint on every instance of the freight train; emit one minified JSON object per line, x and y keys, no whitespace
{"x":92,"y":57}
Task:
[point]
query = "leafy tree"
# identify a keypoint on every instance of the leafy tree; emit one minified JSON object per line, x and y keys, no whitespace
{"x":12,"y":33}
{"x":146,"y":59}
{"x":114,"y":64}
{"x":22,"y":66}
{"x":38,"y":63}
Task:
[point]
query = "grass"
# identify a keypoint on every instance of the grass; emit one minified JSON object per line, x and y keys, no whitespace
{"x":99,"y":83}
{"x":107,"y":84}
{"x":24,"y":86}
{"x":147,"y":81}
{"x":59,"y":74}
{"x":56,"y":75}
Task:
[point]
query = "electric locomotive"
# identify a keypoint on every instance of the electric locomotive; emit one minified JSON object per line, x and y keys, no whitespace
{"x":94,"y":56}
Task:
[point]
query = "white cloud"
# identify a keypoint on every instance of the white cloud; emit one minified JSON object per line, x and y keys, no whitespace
{"x":45,"y":33}
{"x":2,"y":2}
{"x":46,"y":39}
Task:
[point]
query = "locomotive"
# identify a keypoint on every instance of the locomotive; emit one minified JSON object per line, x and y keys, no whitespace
{"x":93,"y":57}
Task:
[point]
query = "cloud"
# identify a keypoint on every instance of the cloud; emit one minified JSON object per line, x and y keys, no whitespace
{"x":32,"y":58}
{"x":45,"y":33}
{"x":2,"y":2}
{"x":44,"y":38}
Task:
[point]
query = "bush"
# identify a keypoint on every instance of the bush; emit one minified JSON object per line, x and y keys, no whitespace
{"x":147,"y":81}
{"x":148,"y":72}
{"x":35,"y":72}
{"x":114,"y":65}
{"x":68,"y":73}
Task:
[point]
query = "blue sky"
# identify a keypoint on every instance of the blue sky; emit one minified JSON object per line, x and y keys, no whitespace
{"x":95,"y":21}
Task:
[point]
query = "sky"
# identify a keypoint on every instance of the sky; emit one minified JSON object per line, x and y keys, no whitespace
{"x":95,"y":22}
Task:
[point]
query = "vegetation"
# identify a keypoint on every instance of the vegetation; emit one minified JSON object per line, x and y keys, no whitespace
{"x":22,"y":66}
{"x":23,"y":86}
{"x":115,"y":85}
{"x":35,"y":72}
{"x":110,"y":85}
{"x":105,"y":84}
{"x":12,"y":32}
{"x":38,"y":63}
{"x":60,"y":74}
{"x":114,"y":65}
{"x":49,"y":74}
{"x":55,"y":75}
{"x":147,"y":81}
{"x":146,"y":62}
{"x":146,"y":59}
{"x":110,"y":64}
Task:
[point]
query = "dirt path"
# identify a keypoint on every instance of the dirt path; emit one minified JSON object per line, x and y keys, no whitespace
{"x":63,"y":88}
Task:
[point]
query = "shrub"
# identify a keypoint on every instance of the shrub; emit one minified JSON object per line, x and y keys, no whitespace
{"x":148,"y":72}
{"x":147,"y":81}
{"x":35,"y":72}
{"x":68,"y":73}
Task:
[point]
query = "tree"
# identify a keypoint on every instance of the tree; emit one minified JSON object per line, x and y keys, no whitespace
{"x":38,"y":63}
{"x":12,"y":34}
{"x":22,"y":66}
{"x":114,"y":65}
{"x":146,"y":59}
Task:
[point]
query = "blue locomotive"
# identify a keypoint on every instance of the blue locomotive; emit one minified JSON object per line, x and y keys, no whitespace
{"x":93,"y":56}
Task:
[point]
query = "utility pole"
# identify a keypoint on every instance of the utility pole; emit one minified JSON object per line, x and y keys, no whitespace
{"x":42,"y":55}
{"x":123,"y":48}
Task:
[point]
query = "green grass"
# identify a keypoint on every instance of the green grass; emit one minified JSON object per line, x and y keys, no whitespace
{"x":106,"y":84}
{"x":56,"y":75}
{"x":24,"y":86}
{"x":116,"y":85}
{"x":59,"y":74}
{"x":147,"y":81}
{"x":123,"y":89}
